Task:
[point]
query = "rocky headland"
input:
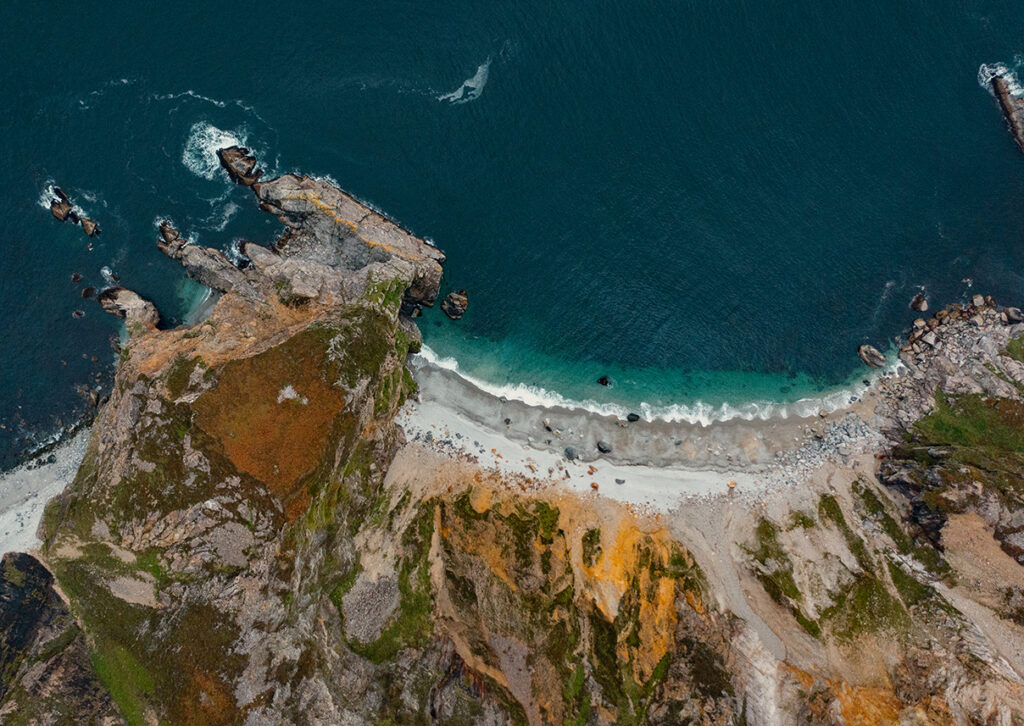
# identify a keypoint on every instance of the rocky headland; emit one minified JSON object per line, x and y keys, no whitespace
{"x":268,"y":528}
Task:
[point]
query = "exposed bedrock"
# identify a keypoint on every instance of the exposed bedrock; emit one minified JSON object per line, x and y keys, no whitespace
{"x":454,"y":304}
{"x":240,"y":165}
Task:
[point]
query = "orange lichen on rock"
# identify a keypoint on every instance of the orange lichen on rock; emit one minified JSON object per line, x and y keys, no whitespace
{"x":273,"y":412}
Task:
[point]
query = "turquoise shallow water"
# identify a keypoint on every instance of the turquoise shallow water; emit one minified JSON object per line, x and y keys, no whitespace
{"x":710,"y":202}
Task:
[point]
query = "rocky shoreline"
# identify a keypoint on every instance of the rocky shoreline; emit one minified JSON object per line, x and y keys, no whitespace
{"x":267,"y":529}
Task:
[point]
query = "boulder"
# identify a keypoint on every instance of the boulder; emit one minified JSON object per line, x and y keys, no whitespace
{"x":1014,"y":316}
{"x":90,"y":227}
{"x":604,"y":381}
{"x":88,"y":291}
{"x":633,"y":417}
{"x":570,"y":453}
{"x":919,"y":303}
{"x":60,"y":209}
{"x":978,"y":301}
{"x":455,"y":303}
{"x":871,"y":356}
{"x":240,"y":165}
{"x":604,"y":447}
{"x":1012,"y":108}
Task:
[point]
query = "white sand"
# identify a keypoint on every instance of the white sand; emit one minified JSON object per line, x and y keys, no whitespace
{"x":660,"y":488}
{"x":24,"y":492}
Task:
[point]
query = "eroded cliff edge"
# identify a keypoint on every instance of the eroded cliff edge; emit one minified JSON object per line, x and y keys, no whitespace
{"x":250,"y":540}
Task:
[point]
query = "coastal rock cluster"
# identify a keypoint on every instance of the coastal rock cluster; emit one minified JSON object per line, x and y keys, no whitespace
{"x":64,"y":211}
{"x":250,"y":538}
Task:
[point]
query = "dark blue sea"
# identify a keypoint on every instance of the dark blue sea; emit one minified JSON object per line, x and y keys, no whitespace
{"x":713,"y":203}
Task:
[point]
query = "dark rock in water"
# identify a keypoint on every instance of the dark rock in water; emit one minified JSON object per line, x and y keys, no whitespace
{"x":240,"y":165}
{"x":455,"y":304}
{"x":620,"y":481}
{"x":1014,"y":316}
{"x":508,"y":422}
{"x":60,"y":210}
{"x":90,"y":227}
{"x":919,"y":303}
{"x":633,"y":417}
{"x":1012,"y":107}
{"x":604,"y":381}
{"x":169,"y":233}
{"x":78,"y":314}
{"x":88,"y":291}
{"x":570,"y":453}
{"x":870,"y":355}
{"x":76,"y":277}
{"x":604,"y":447}
{"x":59,"y":193}
{"x":73,"y":217}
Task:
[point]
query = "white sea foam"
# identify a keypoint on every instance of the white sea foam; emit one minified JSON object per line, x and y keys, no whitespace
{"x":697,"y":413}
{"x":48,"y":194}
{"x":204,"y":140}
{"x":471,"y":88}
{"x":988,"y":71}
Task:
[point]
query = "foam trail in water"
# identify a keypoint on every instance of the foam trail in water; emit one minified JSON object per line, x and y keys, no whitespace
{"x":698,"y":413}
{"x":470,"y":88}
{"x":204,"y":140}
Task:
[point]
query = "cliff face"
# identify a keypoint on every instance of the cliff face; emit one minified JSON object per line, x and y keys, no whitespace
{"x":250,"y":540}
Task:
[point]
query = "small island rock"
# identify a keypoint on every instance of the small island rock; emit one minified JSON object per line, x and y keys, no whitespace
{"x":455,"y":303}
{"x":919,"y":303}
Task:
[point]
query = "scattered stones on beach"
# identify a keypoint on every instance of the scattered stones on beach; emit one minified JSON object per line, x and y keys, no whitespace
{"x":919,"y":303}
{"x":240,"y":165}
{"x":871,"y":356}
{"x":604,"y":447}
{"x":454,"y":304}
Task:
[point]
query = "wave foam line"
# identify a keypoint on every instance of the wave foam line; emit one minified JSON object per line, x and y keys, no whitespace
{"x":698,"y":413}
{"x":988,"y":71}
{"x":471,"y":88}
{"x":201,"y":147}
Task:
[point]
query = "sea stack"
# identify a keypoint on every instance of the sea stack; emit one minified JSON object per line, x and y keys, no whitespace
{"x":1013,"y":109}
{"x":455,"y":303}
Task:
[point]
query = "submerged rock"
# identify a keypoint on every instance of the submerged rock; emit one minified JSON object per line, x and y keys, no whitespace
{"x":455,"y":303}
{"x":871,"y":356}
{"x":1014,"y":316}
{"x":919,"y":303}
{"x":240,"y":165}
{"x":604,"y":381}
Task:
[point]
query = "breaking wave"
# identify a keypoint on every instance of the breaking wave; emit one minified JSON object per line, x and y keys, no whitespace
{"x":988,"y":71}
{"x":204,"y":140}
{"x":697,"y":413}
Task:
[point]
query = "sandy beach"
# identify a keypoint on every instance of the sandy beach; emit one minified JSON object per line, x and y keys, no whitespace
{"x":24,"y":491}
{"x":655,"y":464}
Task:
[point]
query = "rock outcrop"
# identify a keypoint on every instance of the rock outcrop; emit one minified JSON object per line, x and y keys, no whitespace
{"x":240,"y":165}
{"x":455,"y":304}
{"x":1012,"y":107}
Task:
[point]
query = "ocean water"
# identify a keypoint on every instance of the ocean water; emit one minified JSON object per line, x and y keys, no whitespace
{"x":712,"y":203}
